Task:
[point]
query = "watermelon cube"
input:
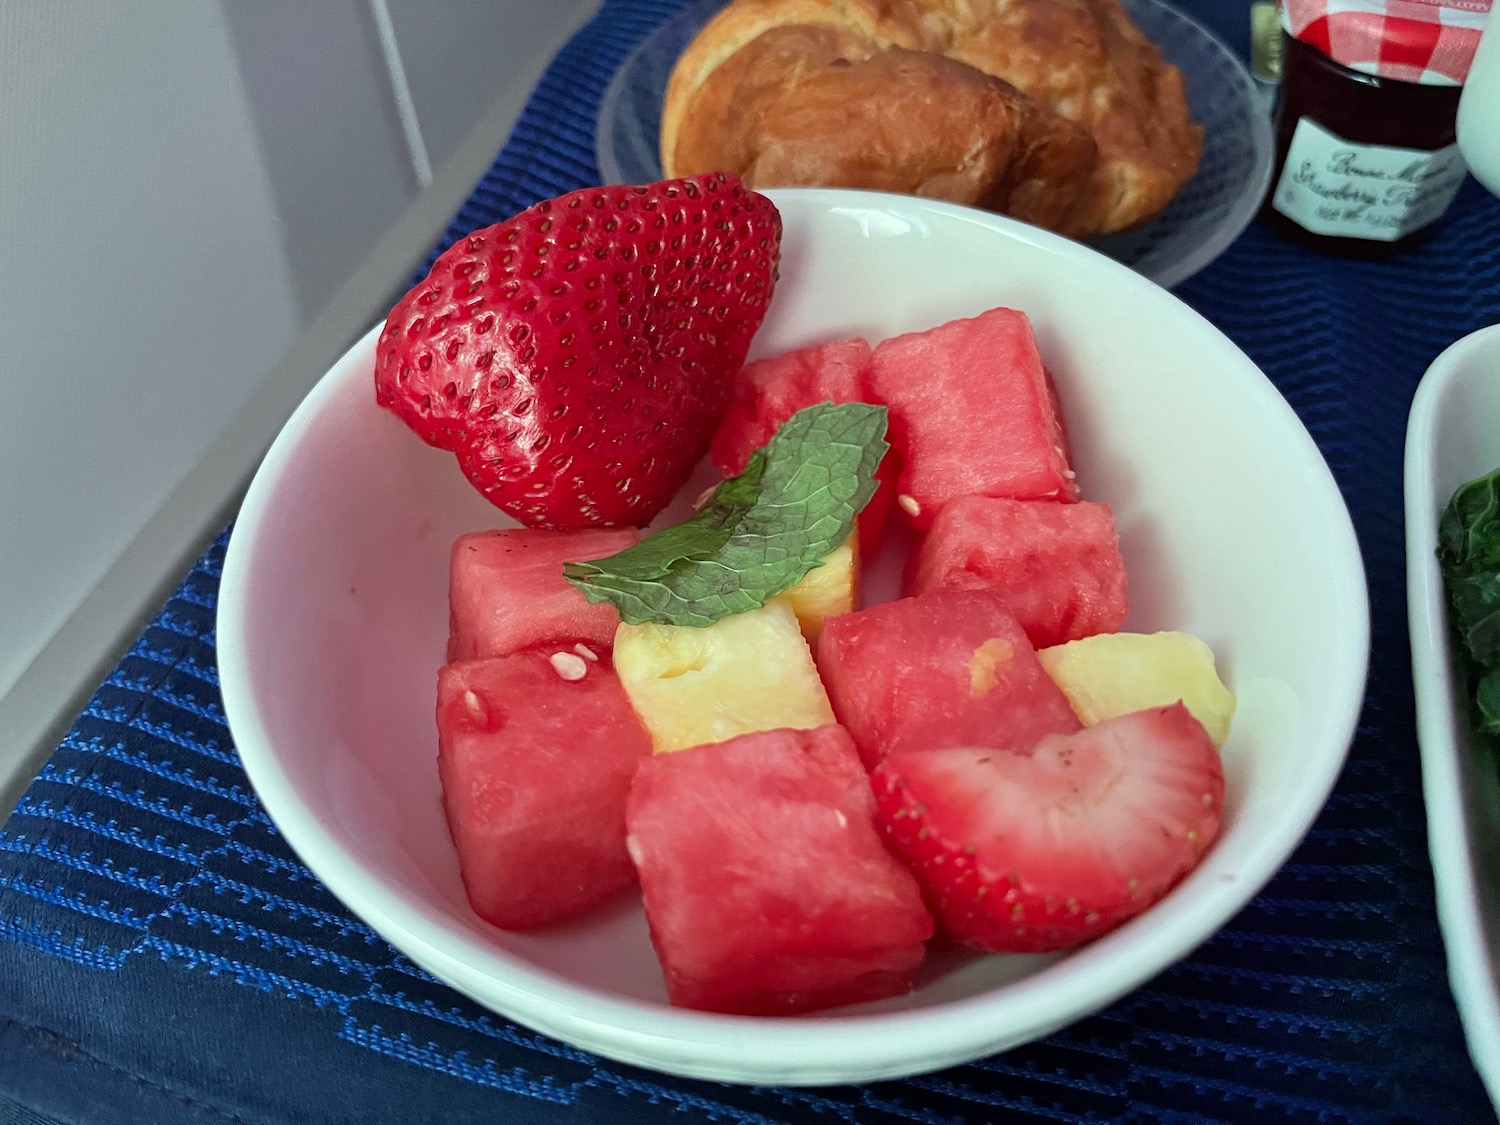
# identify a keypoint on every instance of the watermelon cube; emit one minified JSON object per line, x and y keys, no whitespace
{"x":973,"y":413}
{"x":1057,"y":565}
{"x":767,"y":888}
{"x":536,"y":751}
{"x":506,"y":590}
{"x":769,"y":391}
{"x":945,"y":668}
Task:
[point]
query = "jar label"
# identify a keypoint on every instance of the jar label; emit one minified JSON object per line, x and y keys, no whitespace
{"x":1349,"y":190}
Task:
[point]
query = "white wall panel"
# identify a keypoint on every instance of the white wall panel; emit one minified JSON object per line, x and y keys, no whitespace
{"x":459,"y":55}
{"x":202,"y":202}
{"x":143,"y":288}
{"x":329,"y":137}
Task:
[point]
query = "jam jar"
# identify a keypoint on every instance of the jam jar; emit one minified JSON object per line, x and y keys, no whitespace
{"x":1367,"y":158}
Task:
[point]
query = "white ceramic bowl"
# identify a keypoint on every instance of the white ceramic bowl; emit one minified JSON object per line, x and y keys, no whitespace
{"x":333,"y":620}
{"x":1453,"y":436}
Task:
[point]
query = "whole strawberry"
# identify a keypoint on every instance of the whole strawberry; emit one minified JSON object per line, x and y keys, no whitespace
{"x":578,"y":357}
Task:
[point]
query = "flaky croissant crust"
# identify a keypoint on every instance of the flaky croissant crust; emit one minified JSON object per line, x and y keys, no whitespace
{"x":1083,"y":61}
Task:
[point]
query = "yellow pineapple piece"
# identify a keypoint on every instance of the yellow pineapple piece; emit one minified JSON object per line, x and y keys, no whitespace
{"x":748,"y":672}
{"x":825,"y":590}
{"x":1116,"y":673}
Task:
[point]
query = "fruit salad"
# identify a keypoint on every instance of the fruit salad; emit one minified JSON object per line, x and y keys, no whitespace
{"x":805,"y":791}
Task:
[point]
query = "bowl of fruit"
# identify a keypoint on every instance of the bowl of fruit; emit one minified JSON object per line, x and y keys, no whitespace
{"x":803,"y":637}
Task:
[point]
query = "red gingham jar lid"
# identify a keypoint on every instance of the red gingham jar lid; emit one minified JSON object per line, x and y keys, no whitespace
{"x":1426,"y":41}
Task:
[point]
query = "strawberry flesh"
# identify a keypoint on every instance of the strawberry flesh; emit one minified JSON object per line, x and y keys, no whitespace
{"x":1030,"y":853}
{"x":578,"y":357}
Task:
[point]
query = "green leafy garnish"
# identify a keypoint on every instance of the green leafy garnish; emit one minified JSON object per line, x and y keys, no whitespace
{"x":1469,"y":554}
{"x":759,"y":532}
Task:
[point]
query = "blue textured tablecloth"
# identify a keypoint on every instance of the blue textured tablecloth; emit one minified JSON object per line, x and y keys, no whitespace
{"x":165,"y":958}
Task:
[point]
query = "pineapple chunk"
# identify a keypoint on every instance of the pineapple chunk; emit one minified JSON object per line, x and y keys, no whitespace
{"x":1116,"y":673}
{"x":825,"y":590}
{"x":748,"y":672}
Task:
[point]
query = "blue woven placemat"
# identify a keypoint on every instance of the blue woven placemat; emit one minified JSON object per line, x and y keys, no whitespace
{"x":165,"y":958}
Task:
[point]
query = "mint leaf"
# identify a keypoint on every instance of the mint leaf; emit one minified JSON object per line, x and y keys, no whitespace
{"x":759,"y":533}
{"x":1469,"y":554}
{"x":701,"y":535}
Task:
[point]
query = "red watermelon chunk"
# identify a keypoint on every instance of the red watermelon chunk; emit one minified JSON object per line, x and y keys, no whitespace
{"x":1058,"y":566}
{"x":536,"y":767}
{"x":973,"y":413}
{"x":506,"y":590}
{"x":767,"y":889}
{"x":946,"y":668}
{"x":769,"y":391}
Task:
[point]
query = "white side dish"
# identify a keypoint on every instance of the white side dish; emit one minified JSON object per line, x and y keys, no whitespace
{"x":1453,"y":436}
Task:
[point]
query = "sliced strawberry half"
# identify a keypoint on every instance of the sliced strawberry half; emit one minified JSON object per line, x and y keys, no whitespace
{"x":578,"y":357}
{"x":1031,"y":853}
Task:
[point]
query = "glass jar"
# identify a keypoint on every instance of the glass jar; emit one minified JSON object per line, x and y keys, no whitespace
{"x":1366,"y":164}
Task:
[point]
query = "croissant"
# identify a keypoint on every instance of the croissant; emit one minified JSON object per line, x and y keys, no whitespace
{"x":1057,"y":112}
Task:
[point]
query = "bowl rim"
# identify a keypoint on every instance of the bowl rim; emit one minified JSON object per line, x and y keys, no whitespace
{"x":1237,"y":218}
{"x":822,"y":1049}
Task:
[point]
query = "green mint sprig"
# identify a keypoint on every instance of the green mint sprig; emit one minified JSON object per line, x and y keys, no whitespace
{"x":759,"y":533}
{"x":1469,"y":553}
